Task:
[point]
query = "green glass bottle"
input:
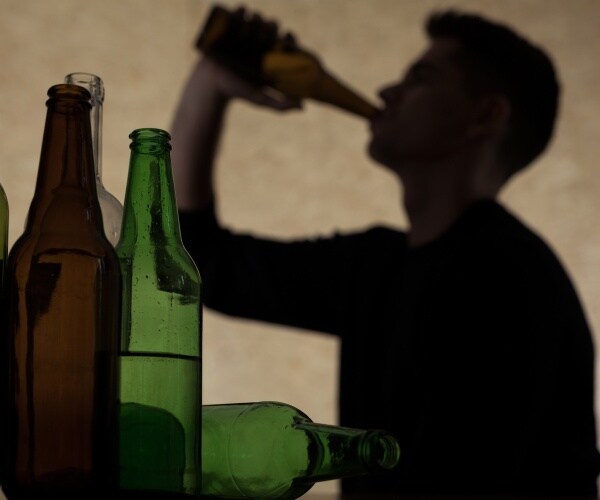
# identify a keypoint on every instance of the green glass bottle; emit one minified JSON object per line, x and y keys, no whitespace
{"x":160,"y":357}
{"x":64,"y":286}
{"x":271,"y":450}
{"x":112,"y":210}
{"x":3,"y":248}
{"x":3,"y":310}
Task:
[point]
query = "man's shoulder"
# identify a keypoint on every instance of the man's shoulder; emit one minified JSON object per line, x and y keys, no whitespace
{"x":501,"y":239}
{"x":497,"y":227}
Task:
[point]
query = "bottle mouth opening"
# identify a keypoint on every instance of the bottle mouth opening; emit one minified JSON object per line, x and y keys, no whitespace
{"x":67,"y":91}
{"x":93,"y":83}
{"x":152,"y":139}
{"x":384,"y":450}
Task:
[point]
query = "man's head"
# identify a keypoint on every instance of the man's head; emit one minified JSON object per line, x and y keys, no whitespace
{"x":495,"y":59}
{"x":470,"y":62}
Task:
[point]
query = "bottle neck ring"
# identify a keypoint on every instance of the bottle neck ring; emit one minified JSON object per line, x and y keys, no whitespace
{"x":150,"y":141}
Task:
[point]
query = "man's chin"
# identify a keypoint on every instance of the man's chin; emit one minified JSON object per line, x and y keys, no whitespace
{"x":379,"y":155}
{"x":375,"y":152}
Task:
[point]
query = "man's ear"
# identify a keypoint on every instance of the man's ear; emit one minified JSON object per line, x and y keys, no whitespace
{"x":491,"y":116}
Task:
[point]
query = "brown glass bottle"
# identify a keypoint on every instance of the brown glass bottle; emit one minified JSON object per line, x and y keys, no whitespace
{"x":64,"y":283}
{"x":255,"y":50}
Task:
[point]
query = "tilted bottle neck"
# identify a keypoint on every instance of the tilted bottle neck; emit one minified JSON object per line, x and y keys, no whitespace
{"x":150,"y":207}
{"x":346,"y":452}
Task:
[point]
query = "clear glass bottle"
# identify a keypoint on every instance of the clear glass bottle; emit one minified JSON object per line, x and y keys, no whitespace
{"x":64,"y":287}
{"x":271,"y":450}
{"x":112,"y":209}
{"x":160,"y":356}
{"x":256,"y":51}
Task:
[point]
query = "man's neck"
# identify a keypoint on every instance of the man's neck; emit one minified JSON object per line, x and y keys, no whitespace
{"x":435,"y":198}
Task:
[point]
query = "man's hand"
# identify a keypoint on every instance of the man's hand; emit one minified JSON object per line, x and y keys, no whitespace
{"x":226,"y":85}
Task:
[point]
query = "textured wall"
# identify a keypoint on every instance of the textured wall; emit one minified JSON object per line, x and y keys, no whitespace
{"x":304,"y":173}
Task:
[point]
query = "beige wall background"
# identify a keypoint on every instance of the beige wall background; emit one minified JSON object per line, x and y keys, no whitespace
{"x":300,"y":174}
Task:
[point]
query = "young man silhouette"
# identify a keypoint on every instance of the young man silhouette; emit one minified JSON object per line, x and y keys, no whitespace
{"x":462,"y":334}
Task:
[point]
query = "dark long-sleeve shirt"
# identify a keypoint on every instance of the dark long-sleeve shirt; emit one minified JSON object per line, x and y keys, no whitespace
{"x":473,"y":349}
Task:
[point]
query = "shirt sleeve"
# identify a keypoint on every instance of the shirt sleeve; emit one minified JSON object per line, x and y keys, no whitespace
{"x":307,"y":283}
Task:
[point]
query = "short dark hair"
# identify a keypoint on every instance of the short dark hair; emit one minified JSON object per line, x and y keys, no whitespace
{"x":495,"y":58}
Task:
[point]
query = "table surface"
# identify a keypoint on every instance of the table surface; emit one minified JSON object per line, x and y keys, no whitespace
{"x":340,"y":496}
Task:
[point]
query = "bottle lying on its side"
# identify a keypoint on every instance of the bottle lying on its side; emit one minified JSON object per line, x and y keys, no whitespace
{"x":266,"y":450}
